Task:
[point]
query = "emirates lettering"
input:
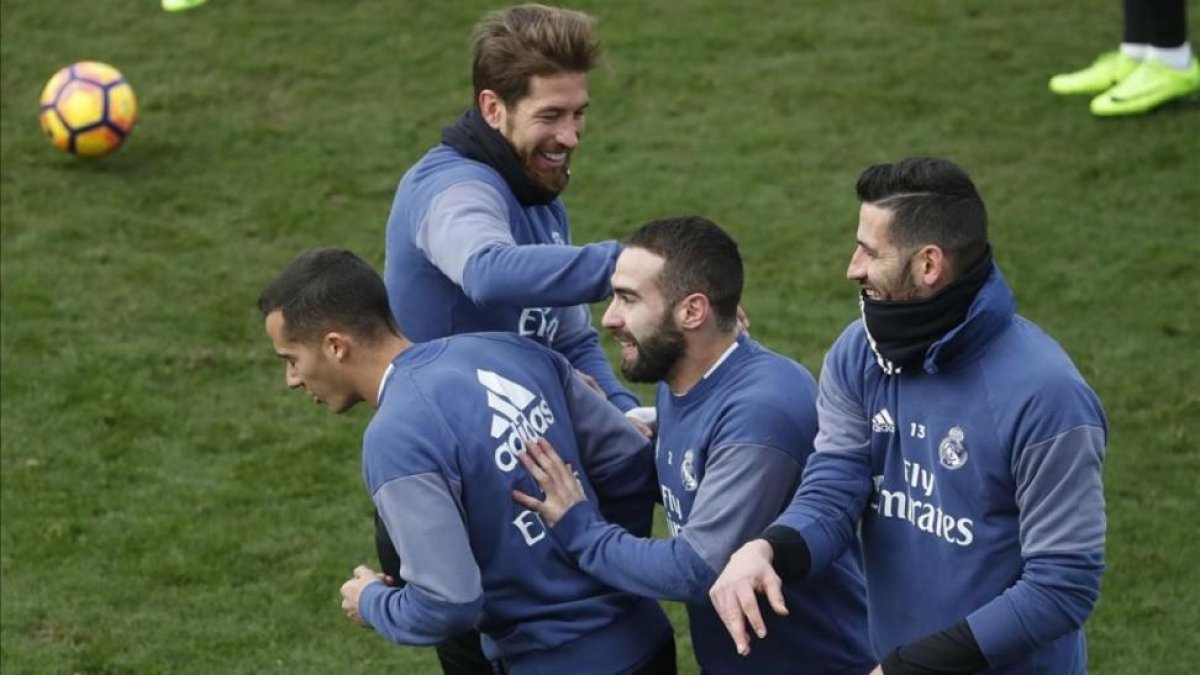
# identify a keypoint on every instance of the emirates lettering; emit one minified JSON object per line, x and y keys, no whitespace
{"x":538,"y":323}
{"x":674,"y":510}
{"x":919,"y":477}
{"x":925,"y":516}
{"x":530,"y":526}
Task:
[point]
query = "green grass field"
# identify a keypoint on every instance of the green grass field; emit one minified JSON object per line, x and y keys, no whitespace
{"x":169,"y":507}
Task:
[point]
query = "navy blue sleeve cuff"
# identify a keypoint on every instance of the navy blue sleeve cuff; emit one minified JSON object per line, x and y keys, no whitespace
{"x":570,"y":530}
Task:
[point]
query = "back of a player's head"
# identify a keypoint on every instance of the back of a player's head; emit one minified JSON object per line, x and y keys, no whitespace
{"x":699,"y":257}
{"x":512,"y":45}
{"x":329,"y":289}
{"x":932,"y":201}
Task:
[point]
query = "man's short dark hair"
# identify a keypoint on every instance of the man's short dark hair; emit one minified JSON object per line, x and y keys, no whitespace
{"x":699,"y":257}
{"x":932,"y":201}
{"x":330,"y":289}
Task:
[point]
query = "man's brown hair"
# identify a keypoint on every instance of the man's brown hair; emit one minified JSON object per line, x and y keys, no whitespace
{"x":512,"y":45}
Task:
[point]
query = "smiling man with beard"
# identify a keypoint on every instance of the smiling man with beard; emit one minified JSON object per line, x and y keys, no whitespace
{"x":958,"y":444}
{"x":478,"y":238}
{"x":735,"y":427}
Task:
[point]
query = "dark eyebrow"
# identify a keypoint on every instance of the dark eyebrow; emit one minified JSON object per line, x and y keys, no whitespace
{"x":622,"y":290}
{"x":558,"y":109}
{"x":865,"y":247}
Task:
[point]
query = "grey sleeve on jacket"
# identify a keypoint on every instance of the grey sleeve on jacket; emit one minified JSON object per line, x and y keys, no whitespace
{"x":460,"y":220}
{"x":842,"y":425}
{"x":1060,"y":493}
{"x":837,"y":476}
{"x":618,"y":460}
{"x":744,"y":488}
{"x":425,"y":522}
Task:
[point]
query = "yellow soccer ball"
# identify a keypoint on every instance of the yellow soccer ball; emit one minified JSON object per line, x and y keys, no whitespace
{"x":87,"y":109}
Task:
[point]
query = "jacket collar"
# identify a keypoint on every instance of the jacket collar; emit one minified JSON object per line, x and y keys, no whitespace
{"x":991,"y":312}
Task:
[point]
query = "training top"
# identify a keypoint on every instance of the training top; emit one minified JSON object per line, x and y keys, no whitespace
{"x":439,"y":461}
{"x":464,"y":255}
{"x":729,"y":456}
{"x":977,"y":481}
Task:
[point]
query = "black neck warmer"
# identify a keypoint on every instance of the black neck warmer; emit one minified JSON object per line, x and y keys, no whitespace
{"x":472,"y":137}
{"x":901,"y":332}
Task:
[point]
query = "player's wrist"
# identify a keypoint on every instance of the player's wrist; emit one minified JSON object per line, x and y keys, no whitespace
{"x":569,"y":532}
{"x":789,"y":552}
{"x":760,"y":548}
{"x":574,"y":518}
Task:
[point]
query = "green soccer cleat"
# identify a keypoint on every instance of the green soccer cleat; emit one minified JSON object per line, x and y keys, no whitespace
{"x":1105,"y":73}
{"x":181,"y":5}
{"x":1151,"y":85}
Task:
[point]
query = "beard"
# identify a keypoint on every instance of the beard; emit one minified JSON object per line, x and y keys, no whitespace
{"x":657,"y":354}
{"x":554,"y":180}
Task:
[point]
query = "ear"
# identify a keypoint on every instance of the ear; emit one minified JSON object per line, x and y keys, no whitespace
{"x":931,"y":268}
{"x":693,"y":311}
{"x":336,"y":346}
{"x":492,"y":108}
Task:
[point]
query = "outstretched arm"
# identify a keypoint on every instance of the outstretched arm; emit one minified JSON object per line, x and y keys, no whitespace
{"x":816,"y":527}
{"x":680,"y":568}
{"x":837,"y":481}
{"x":467,"y":235}
{"x":666,"y":569}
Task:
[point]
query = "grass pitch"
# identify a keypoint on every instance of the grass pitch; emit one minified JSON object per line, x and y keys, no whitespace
{"x":169,"y":507}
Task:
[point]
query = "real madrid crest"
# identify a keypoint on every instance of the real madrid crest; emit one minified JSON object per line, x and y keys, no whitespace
{"x":687,"y":471}
{"x":952,"y":452}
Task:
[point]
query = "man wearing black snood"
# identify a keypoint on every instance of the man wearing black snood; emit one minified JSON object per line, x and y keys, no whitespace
{"x":478,"y":237}
{"x":957,"y":440}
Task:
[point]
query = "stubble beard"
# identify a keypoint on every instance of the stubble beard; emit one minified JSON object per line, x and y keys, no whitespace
{"x":900,"y":289}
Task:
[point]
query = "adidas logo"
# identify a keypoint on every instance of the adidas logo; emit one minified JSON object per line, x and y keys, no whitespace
{"x":882,"y":422}
{"x":518,"y":416}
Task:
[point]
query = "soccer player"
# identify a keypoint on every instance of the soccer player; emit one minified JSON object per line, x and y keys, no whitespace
{"x":478,"y":239}
{"x":439,"y":461}
{"x":735,"y":426}
{"x":963,"y":440}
